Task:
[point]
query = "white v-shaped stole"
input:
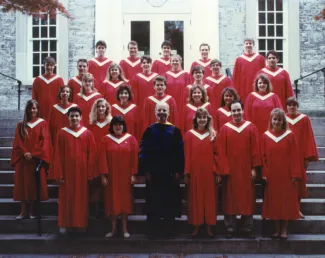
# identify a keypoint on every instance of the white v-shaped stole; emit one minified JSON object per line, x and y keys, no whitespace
{"x":77,"y":80}
{"x":238,"y":129}
{"x":50,"y":80}
{"x":163,"y":61}
{"x":101,"y":125}
{"x":32,"y":125}
{"x":133,"y":64}
{"x":75,"y":134}
{"x":117,"y":140}
{"x":200,"y":136}
{"x":175,"y":75}
{"x":214,"y":80}
{"x":100,"y":63}
{"x":148,"y":79}
{"x":195,"y":108}
{"x":203,"y":63}
{"x":296,"y":120}
{"x":64,"y":110}
{"x":249,"y":59}
{"x":272,"y":73}
{"x":115,"y":85}
{"x":279,"y":138}
{"x":159,"y":101}
{"x":227,"y":113}
{"x":124,"y":111}
{"x":88,"y":97}
{"x":262,"y":97}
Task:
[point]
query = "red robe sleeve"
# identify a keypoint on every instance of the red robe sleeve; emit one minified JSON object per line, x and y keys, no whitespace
{"x":34,"y":92}
{"x":56,"y":171}
{"x":173,"y":115}
{"x":277,"y":102}
{"x":134,"y":155}
{"x":42,"y":148}
{"x":309,"y":145}
{"x":220,"y":164}
{"x":236,"y":75}
{"x":103,"y":167}
{"x":263,"y":156}
{"x":296,"y":166}
{"x":187,"y":150}
{"x":91,"y":156}
{"x":288,"y":86}
{"x":135,"y":89}
{"x":248,"y":107}
{"x":255,"y":147}
{"x":148,"y":109}
{"x":18,"y":149}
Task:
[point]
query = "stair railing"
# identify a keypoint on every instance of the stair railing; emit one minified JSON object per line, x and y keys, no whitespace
{"x":302,"y":77}
{"x":228,"y":73}
{"x":19,"y":86}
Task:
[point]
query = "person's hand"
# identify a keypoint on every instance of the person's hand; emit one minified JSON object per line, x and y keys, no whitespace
{"x":294,"y":180}
{"x":253,"y":173}
{"x":186,"y":179}
{"x":133,"y":180}
{"x":104,"y":180}
{"x":59,"y":181}
{"x":306,"y":163}
{"x":218,"y":179}
{"x":148,"y":176}
{"x":265,"y":179}
{"x":28,"y":156}
{"x":177,"y":176}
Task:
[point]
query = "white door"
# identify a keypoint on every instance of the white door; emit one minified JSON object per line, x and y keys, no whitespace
{"x":150,"y":30}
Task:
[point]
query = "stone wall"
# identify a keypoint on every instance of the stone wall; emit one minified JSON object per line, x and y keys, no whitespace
{"x":232,"y":30}
{"x":81,"y":32}
{"x":312,"y":54}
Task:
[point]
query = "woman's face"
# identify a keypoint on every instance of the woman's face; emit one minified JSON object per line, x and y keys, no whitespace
{"x":292,"y":108}
{"x":197,"y":95}
{"x":228,"y":98}
{"x":65,"y":94}
{"x":176,"y":63}
{"x":277,"y":122}
{"x":87,"y":85}
{"x":118,"y":129}
{"x":124,"y":95}
{"x":198,"y":75}
{"x":202,"y":120}
{"x":262,"y":86}
{"x":33,"y":111}
{"x":101,"y":108}
{"x":114,"y":72}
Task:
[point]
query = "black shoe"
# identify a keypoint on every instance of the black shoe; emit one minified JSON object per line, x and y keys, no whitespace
{"x":249,"y":235}
{"x":229,"y":235}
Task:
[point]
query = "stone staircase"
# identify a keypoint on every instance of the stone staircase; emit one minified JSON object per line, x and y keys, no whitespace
{"x":307,"y":236}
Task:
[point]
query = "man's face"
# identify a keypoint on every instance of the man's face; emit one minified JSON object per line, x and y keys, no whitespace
{"x":49,"y":68}
{"x":204,"y":50}
{"x":82,"y":68}
{"x":74,"y":119}
{"x":162,"y":112}
{"x":215,"y":68}
{"x":166,"y":51}
{"x":248,"y":46}
{"x":146,"y":65}
{"x":237,"y":112}
{"x":159,"y":87}
{"x":198,"y":75}
{"x":272,"y":61}
{"x":133,"y":50}
{"x":100,"y":50}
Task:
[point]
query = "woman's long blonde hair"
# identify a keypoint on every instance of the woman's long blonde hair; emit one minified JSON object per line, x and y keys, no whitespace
{"x":93,"y":113}
{"x":85,"y":77}
{"x":209,"y":126}
{"x":205,"y":97}
{"x":23,"y":130}
{"x":121,"y":75}
{"x":278,"y":112}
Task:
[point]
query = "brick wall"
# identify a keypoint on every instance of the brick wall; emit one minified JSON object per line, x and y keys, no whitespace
{"x":312,"y":54}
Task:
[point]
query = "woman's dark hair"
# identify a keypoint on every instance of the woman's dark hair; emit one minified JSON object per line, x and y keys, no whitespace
{"x":121,"y":89}
{"x":232,"y":91}
{"x":23,"y":130}
{"x":117,"y":120}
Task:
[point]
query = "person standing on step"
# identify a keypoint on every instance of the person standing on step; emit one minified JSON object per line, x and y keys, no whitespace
{"x":246,"y":67}
{"x":161,"y":161}
{"x":282,"y":167}
{"x":201,"y":144}
{"x":46,"y":87}
{"x":132,"y":64}
{"x":301,"y":127}
{"x":72,"y":168}
{"x":239,"y":140}
{"x":31,"y":145}
{"x":163,"y":65}
{"x":204,"y":61}
{"x":118,"y":164}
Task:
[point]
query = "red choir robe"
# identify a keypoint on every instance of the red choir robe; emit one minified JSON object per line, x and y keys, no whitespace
{"x":38,"y":144}
{"x":142,"y":87}
{"x":75,"y":84}
{"x":301,"y":127}
{"x":258,"y":109}
{"x":73,"y":161}
{"x":99,"y":130}
{"x":280,"y":166}
{"x":59,"y":119}
{"x":221,"y":117}
{"x":149,"y":116}
{"x":161,"y":66}
{"x":187,"y":92}
{"x":281,"y":83}
{"x":186,"y":119}
{"x":109,"y":89}
{"x":240,"y":144}
{"x":205,"y":64}
{"x":245,"y":70}
{"x":118,"y":159}
{"x":85,"y":102}
{"x":45,"y":90}
{"x":202,"y":194}
{"x":217,"y":84}
{"x":130,"y":67}
{"x":98,"y":68}
{"x":176,"y":83}
{"x":130,"y":113}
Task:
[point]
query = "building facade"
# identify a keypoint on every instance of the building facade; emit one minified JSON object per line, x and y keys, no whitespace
{"x":286,"y":26}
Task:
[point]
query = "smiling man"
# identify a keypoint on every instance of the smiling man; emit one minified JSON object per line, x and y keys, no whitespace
{"x":161,"y":161}
{"x":132,"y":64}
{"x":163,"y":65}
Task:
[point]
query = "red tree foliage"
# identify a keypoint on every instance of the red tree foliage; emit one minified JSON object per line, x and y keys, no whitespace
{"x":34,"y":7}
{"x":321,"y":15}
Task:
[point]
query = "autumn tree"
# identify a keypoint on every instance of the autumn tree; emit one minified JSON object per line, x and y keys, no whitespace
{"x":34,"y":7}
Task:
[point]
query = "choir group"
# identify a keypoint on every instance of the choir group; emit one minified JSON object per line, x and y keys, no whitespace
{"x":92,"y":127}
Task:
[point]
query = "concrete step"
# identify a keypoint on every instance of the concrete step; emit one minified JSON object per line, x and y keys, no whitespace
{"x":137,"y":224}
{"x":313,"y":207}
{"x":6,"y":141}
{"x":5,"y":152}
{"x":320,"y":141}
{"x":6,"y":191}
{"x":12,"y":114}
{"x":10,"y":122}
{"x":7,"y":131}
{"x":321,"y":152}
{"x":316,"y":177}
{"x":54,"y":244}
{"x":319,"y":165}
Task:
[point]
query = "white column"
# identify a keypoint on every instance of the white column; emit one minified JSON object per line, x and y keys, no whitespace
{"x":109,"y":27}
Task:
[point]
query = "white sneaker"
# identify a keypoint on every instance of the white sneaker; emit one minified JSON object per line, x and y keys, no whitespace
{"x":126,"y":235}
{"x":63,"y":230}
{"x":21,"y":216}
{"x":32,"y":217}
{"x":109,"y":234}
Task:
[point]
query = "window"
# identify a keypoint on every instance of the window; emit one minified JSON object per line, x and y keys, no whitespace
{"x":44,"y":42}
{"x":271,"y":27}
